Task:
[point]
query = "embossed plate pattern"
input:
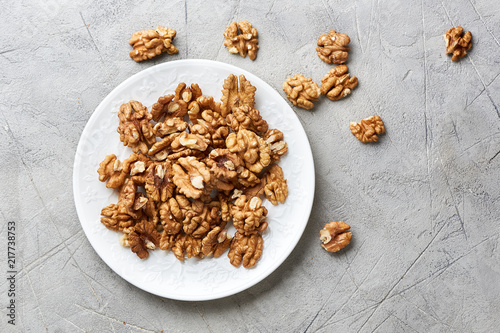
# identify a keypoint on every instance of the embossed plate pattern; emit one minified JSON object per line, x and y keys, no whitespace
{"x":162,"y":274}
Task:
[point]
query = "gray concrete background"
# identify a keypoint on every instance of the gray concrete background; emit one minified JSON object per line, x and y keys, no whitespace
{"x":423,"y":203}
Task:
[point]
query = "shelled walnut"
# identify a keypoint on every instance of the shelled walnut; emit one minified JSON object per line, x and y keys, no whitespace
{"x":367,"y":130}
{"x":246,"y":249}
{"x":332,"y":47}
{"x":301,"y":91}
{"x":335,"y":236}
{"x":150,"y":43}
{"x":235,"y":95}
{"x":134,"y":128}
{"x":241,"y":38}
{"x":456,"y":44}
{"x":337,"y":84}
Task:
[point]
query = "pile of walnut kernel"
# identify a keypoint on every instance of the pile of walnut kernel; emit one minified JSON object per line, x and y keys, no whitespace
{"x":197,"y":165}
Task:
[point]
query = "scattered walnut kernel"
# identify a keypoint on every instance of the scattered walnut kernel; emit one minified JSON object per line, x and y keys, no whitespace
{"x":337,"y":84}
{"x":301,"y":91}
{"x":456,"y":44}
{"x":150,"y":43}
{"x":197,"y":165}
{"x":241,"y":38}
{"x":332,"y":47}
{"x":335,"y":236}
{"x":367,"y":130}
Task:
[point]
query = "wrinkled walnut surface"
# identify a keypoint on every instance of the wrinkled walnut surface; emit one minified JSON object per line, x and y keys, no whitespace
{"x":150,"y":43}
{"x":367,"y":130}
{"x":337,"y":84}
{"x":457,"y":44}
{"x":241,"y":38}
{"x":335,"y":236}
{"x":301,"y":91}
{"x":332,"y":47}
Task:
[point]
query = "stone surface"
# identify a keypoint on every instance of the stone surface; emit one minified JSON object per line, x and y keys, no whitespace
{"x":423,"y":202}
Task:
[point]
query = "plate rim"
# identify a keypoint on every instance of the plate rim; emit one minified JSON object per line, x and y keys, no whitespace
{"x":307,"y":204}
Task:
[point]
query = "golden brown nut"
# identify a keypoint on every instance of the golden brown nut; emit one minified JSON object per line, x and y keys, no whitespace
{"x":191,"y":176}
{"x":191,"y":141}
{"x":143,"y":237}
{"x":215,"y":242}
{"x":234,"y":96}
{"x":249,"y":215}
{"x":241,"y":41}
{"x":187,"y":245}
{"x":253,"y":149}
{"x":158,"y":185}
{"x":246,"y":117}
{"x":223,"y":164}
{"x":169,"y":126}
{"x":368,"y":129}
{"x":301,"y":91}
{"x":276,"y":189}
{"x":134,"y":127}
{"x":276,"y":142}
{"x":456,"y":44}
{"x":246,"y":249}
{"x":168,"y":106}
{"x":114,"y":220}
{"x":337,"y":84}
{"x":332,"y":47}
{"x":208,"y":122}
{"x":335,"y":236}
{"x":150,"y":43}
{"x":111,"y":170}
{"x":200,"y":219}
{"x":187,"y":94}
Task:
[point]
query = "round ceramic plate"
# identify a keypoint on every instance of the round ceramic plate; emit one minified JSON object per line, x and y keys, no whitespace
{"x":162,"y":274}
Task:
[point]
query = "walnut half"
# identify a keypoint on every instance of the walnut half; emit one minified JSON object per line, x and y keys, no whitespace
{"x":301,"y":91}
{"x":368,"y":129}
{"x":241,"y":38}
{"x":332,"y":47}
{"x":335,"y":236}
{"x":456,"y":44}
{"x":150,"y":43}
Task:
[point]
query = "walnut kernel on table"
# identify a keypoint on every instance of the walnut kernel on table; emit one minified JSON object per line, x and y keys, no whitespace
{"x":332,"y":47}
{"x":337,"y":84}
{"x":456,"y":44}
{"x":301,"y":91}
{"x":241,"y":38}
{"x":150,"y":43}
{"x":367,"y":130}
{"x":335,"y":236}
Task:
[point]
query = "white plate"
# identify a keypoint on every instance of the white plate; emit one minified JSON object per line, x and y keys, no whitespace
{"x":162,"y":274}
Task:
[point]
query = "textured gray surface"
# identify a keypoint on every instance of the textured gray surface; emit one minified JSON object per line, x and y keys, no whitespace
{"x":423,"y":203}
